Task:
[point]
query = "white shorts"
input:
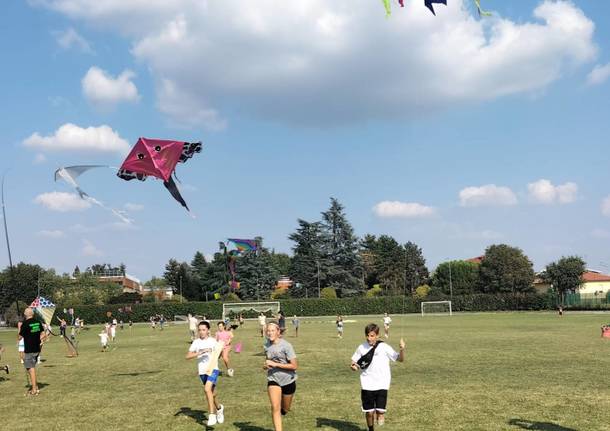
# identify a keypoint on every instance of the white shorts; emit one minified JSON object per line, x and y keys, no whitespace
{"x":21,"y":346}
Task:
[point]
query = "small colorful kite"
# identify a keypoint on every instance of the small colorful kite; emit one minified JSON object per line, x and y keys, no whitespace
{"x":44,"y":308}
{"x":158,"y":158}
{"x":244,"y":244}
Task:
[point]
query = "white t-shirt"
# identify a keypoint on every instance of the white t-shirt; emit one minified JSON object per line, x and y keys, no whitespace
{"x":192,"y":323}
{"x":203,"y":358}
{"x":103,"y":338}
{"x":377,"y":376}
{"x":387,"y":320}
{"x":262,"y":320}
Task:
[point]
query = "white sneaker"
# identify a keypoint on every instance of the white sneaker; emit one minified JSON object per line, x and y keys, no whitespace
{"x":220,"y":414}
{"x":212,"y":420}
{"x":230,"y":372}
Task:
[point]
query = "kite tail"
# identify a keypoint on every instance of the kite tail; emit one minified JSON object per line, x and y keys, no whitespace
{"x":481,"y":11}
{"x":388,"y":8}
{"x":171,"y":186}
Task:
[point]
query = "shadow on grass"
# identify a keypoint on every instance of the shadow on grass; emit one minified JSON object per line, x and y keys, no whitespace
{"x":198,"y":415}
{"x":336,"y":424}
{"x":538,"y":426}
{"x":136,"y":373}
{"x":39,"y":384}
{"x":245,"y":426}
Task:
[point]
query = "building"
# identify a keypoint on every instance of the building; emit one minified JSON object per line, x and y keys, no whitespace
{"x":594,"y":283}
{"x":129,"y":283}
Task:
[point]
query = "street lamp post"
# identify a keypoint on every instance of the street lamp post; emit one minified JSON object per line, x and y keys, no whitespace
{"x":181,"y":297}
{"x":450,"y":283}
{"x":318,"y":265}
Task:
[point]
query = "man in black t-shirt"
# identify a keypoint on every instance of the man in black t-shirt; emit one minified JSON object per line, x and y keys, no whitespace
{"x":33,"y":335}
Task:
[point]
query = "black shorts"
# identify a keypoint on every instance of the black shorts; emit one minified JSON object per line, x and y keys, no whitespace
{"x":288,"y":389}
{"x":374,"y":400}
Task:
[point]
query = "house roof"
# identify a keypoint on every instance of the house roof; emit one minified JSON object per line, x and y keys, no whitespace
{"x":591,"y":276}
{"x":477,"y":259}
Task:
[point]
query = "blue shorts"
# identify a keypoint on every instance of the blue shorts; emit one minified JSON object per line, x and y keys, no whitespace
{"x":213,"y":378}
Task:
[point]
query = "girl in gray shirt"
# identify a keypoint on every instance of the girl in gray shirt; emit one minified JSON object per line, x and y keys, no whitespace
{"x":281,"y":365}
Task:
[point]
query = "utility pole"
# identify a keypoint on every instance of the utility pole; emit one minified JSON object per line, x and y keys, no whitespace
{"x":318,"y":265}
{"x":181,"y":297}
{"x":8,"y":246}
{"x":450,"y":283}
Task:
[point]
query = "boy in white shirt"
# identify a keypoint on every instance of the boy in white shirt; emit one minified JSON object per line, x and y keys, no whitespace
{"x":373,"y":358}
{"x":104,"y":339}
{"x":201,"y":348}
{"x":386,"y":324}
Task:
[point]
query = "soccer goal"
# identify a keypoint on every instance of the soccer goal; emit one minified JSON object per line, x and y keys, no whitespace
{"x":233,"y":308}
{"x":442,"y":308}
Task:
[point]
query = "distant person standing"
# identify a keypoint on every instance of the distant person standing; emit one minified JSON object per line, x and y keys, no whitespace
{"x":33,"y":338}
{"x":339,"y":323}
{"x":20,"y":342}
{"x":386,"y":324}
{"x":281,"y":320}
{"x":295,"y":323}
{"x":192,"y":320}
{"x":262,"y":322}
{"x":560,"y":311}
{"x":241,"y":320}
{"x":6,"y":368}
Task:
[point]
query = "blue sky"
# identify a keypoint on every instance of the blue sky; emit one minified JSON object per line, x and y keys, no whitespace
{"x":451,"y":131}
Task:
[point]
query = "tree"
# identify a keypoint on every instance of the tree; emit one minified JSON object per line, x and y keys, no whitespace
{"x":341,"y":249}
{"x":457,"y":276}
{"x":180,"y":277}
{"x":416,"y":271}
{"x":505,"y":269}
{"x":389,"y":262}
{"x":256,"y":273}
{"x":76,"y":271}
{"x":309,"y":256}
{"x":566,"y":274}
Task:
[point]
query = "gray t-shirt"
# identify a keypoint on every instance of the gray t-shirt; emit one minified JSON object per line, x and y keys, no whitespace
{"x":281,"y":352}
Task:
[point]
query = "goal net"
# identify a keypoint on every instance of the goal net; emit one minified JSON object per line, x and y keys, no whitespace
{"x":439,"y":308}
{"x":180,"y":318}
{"x":232,"y":309}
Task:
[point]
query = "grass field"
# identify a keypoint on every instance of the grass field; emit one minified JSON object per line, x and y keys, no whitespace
{"x":496,"y":371}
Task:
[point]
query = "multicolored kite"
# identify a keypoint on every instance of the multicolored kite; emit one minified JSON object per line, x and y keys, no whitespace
{"x":244,"y":244}
{"x":158,"y":158}
{"x":44,"y":308}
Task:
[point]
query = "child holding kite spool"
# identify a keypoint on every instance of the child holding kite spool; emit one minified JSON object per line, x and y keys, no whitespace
{"x":373,"y":358}
{"x":206,"y":349}
{"x":281,"y":366}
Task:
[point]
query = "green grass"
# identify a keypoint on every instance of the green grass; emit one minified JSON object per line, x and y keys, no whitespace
{"x":493,"y":371}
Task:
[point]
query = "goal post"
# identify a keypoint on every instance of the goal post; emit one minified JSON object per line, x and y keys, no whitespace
{"x":436,"y":307}
{"x":259,"y":307}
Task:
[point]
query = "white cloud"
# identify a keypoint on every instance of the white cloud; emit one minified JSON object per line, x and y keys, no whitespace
{"x":103,"y":90}
{"x":303,"y":62}
{"x":487,"y":195}
{"x":62,"y":202}
{"x":89,"y":249}
{"x":544,"y":192}
{"x":71,"y":137}
{"x":54,"y":234}
{"x":70,"y":38}
{"x":388,"y":209}
{"x":599,"y":74}
{"x":133,"y":207}
{"x":606,"y":206}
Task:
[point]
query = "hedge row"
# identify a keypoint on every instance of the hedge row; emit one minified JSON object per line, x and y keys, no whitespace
{"x":322,"y":307}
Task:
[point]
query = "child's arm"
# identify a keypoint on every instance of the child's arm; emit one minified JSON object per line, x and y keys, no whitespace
{"x":191,"y":355}
{"x":401,"y":354}
{"x":354,"y":366}
{"x":292,"y":365}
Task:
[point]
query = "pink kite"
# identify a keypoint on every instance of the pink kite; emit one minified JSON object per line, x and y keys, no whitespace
{"x":158,"y":158}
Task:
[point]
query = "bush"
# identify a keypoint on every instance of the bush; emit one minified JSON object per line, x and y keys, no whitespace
{"x":231,"y":297}
{"x":281,"y":293}
{"x":328,"y":293}
{"x":422,"y":291}
{"x":374,"y":292}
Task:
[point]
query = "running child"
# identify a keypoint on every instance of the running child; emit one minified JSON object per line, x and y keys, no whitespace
{"x":201,"y":348}
{"x":20,"y":342}
{"x":262,"y":322}
{"x":386,"y":324}
{"x":281,"y":366}
{"x":373,"y":358}
{"x":225,"y":336}
{"x":339,"y":323}
{"x":104,"y":339}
